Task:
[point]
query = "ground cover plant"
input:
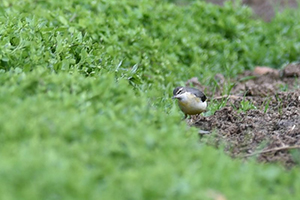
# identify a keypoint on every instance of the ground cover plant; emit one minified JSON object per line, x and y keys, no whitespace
{"x":85,"y":99}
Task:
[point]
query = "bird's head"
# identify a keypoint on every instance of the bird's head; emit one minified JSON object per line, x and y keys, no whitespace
{"x":179,"y":93}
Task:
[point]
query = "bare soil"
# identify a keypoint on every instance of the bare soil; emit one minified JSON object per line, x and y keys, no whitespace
{"x":270,"y":130}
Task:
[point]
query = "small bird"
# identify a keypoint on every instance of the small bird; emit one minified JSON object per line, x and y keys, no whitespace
{"x":191,"y":101}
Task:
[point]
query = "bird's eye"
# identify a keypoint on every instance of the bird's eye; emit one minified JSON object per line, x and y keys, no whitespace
{"x":179,"y":91}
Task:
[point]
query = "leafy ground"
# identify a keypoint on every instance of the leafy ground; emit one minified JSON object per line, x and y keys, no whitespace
{"x":85,"y":99}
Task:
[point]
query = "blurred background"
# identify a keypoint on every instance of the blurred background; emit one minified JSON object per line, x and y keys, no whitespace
{"x":264,"y":9}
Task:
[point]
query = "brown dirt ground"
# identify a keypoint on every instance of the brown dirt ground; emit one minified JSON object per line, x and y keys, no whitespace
{"x":269,"y":131}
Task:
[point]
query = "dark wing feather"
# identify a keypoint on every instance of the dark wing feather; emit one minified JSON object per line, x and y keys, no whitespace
{"x":197,"y":93}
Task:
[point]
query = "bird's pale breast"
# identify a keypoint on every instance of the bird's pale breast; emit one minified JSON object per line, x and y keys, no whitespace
{"x":192,"y":105}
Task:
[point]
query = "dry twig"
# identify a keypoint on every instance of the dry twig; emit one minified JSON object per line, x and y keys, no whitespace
{"x":228,"y":96}
{"x":271,"y":150}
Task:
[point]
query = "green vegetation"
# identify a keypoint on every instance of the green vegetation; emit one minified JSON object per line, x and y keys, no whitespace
{"x":247,"y":105}
{"x":85,"y":98}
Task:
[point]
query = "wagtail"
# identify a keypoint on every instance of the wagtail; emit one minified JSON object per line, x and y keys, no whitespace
{"x":190,"y":100}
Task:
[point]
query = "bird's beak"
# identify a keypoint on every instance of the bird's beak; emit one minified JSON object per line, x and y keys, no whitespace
{"x":175,"y":97}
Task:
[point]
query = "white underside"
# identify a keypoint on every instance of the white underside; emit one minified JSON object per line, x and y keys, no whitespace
{"x":190,"y":104}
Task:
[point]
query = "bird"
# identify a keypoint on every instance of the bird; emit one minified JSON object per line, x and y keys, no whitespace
{"x":191,"y":101}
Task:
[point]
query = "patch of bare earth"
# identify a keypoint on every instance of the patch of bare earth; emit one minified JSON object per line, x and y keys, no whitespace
{"x":270,"y":130}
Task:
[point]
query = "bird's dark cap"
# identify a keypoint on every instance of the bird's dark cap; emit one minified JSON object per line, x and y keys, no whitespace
{"x":178,"y":90}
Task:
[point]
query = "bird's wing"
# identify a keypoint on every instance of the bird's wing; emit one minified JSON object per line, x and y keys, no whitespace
{"x":197,"y":93}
